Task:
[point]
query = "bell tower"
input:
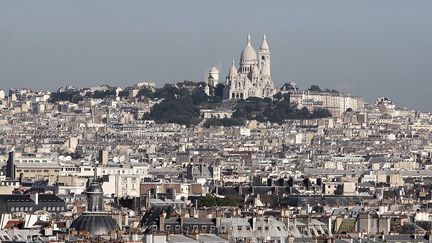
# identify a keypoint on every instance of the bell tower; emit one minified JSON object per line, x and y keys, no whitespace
{"x":264,"y":57}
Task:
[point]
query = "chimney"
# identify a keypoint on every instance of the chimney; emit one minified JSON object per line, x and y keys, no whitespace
{"x":103,"y":157}
{"x":195,"y":235}
{"x":172,"y":192}
{"x":162,"y":221}
{"x":35,"y":197}
{"x":148,"y":199}
{"x":218,"y":221}
{"x":10,"y":166}
{"x":254,"y":219}
{"x":319,"y":182}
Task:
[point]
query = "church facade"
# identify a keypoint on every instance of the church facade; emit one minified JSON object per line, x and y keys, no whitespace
{"x":252,"y":78}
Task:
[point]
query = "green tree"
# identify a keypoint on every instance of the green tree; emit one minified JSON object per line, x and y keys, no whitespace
{"x":219,"y":90}
{"x":145,"y":92}
{"x":199,"y":96}
{"x":71,"y":96}
{"x":123,"y":94}
{"x":315,"y":88}
{"x":321,"y":113}
{"x":278,"y":96}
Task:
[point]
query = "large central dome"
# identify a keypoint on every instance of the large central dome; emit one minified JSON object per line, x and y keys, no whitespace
{"x":248,"y":53}
{"x":95,"y":221}
{"x":96,"y":224}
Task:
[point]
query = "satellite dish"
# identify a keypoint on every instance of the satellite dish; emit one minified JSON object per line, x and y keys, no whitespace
{"x":116,"y":159}
{"x":122,"y":158}
{"x":61,"y":158}
{"x":68,"y":158}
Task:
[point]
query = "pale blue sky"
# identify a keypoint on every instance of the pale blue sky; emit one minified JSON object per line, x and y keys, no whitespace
{"x":370,"y":47}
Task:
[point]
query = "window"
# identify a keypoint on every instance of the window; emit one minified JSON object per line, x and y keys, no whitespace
{"x":239,"y":227}
{"x":177,"y":227}
{"x":168,"y":227}
{"x":212,"y":227}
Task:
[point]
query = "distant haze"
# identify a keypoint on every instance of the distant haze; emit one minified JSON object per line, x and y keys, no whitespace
{"x":369,"y":48}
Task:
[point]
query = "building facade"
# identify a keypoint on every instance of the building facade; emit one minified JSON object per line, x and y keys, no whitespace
{"x":336,"y":103}
{"x":252,"y":78}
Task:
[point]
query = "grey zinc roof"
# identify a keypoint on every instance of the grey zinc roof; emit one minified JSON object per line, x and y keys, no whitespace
{"x":212,"y":238}
{"x":181,"y":239}
{"x":94,"y":223}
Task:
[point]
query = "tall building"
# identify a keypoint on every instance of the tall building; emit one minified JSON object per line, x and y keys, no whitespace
{"x":252,"y":78}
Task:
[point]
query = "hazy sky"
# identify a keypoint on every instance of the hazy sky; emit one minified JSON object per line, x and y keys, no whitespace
{"x":370,"y":48}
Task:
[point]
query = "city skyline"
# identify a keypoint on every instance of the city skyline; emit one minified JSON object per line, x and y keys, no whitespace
{"x":215,"y":121}
{"x":367,"y":54}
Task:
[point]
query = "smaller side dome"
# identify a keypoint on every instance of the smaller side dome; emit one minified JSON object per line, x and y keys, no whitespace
{"x":214,"y":70}
{"x":233,"y":71}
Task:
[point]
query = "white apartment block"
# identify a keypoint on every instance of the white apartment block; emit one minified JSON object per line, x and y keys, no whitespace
{"x":122,"y":185}
{"x":336,"y":103}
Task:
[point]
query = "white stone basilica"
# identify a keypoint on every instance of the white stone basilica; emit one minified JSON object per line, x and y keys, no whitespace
{"x":252,"y":79}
